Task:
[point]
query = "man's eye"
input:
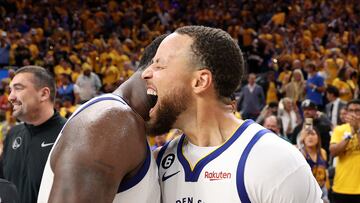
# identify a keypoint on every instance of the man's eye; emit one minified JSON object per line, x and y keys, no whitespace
{"x":160,"y":67}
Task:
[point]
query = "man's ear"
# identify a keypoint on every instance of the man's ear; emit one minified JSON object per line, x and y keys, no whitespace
{"x":202,"y":80}
{"x":44,"y":94}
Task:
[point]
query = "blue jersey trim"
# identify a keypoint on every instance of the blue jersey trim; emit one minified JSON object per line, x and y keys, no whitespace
{"x":241,"y":166}
{"x":193,"y":176}
{"x":161,"y":153}
{"x":127,"y":184}
{"x":91,"y":102}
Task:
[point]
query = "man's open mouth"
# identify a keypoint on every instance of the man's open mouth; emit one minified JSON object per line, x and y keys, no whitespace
{"x":152,"y":94}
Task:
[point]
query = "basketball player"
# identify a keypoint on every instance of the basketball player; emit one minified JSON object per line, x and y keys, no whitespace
{"x":219,"y":158}
{"x":101,"y":154}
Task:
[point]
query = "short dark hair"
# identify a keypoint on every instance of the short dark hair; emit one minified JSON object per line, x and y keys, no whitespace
{"x":342,"y":74}
{"x":273,"y":104}
{"x":215,"y":50}
{"x":150,"y":51}
{"x":311,"y":65}
{"x":333,"y":90}
{"x":42,"y":77}
{"x":354,"y":101}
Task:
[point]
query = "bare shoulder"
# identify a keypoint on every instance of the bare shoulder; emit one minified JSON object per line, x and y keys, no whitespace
{"x":107,"y":134}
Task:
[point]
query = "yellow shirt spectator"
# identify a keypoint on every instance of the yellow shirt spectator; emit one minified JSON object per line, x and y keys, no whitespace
{"x":278,"y":18}
{"x":266,"y":36}
{"x":347,"y":176}
{"x":248,"y":36}
{"x":284,"y":75}
{"x":271,"y":94}
{"x":344,"y":89}
{"x":321,"y":30}
{"x":67,"y":111}
{"x":279,"y":40}
{"x":59,"y":69}
{"x":34,"y":51}
{"x":331,"y":67}
{"x":353,"y":60}
{"x":110,"y":74}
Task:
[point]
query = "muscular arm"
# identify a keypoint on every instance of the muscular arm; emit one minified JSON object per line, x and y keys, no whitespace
{"x":96,"y":151}
{"x":338,"y":148}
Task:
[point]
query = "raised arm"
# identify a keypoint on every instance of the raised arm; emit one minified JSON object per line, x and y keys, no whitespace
{"x":97,"y":150}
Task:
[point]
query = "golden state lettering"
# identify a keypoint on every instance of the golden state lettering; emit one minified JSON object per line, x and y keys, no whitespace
{"x":217,"y":175}
{"x":189,"y":200}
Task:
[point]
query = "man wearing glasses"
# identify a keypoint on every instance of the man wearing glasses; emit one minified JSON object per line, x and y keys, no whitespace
{"x":345,"y":145}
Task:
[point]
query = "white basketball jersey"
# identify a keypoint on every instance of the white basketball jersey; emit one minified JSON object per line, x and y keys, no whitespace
{"x":143,"y":187}
{"x":221,"y":176}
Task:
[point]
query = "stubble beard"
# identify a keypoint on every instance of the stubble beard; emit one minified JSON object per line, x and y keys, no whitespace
{"x":168,"y":111}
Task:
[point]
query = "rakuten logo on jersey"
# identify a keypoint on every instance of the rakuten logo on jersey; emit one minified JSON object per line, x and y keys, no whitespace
{"x":217,"y":175}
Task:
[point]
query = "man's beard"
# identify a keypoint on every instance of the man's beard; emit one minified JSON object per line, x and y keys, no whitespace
{"x":168,"y":111}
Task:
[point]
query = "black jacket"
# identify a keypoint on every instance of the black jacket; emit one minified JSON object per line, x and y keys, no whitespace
{"x":8,"y":192}
{"x":26,"y":149}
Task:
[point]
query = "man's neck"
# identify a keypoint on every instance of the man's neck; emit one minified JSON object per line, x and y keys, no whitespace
{"x":334,"y":100}
{"x":312,"y":74}
{"x":208,"y":128}
{"x":45,"y":114}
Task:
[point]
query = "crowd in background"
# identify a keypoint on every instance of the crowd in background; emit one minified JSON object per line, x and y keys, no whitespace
{"x":302,"y":56}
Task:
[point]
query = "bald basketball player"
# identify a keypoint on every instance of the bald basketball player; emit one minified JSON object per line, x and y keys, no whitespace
{"x":102,"y":154}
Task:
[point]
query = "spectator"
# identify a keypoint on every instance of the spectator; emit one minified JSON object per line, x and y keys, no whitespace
{"x":4,"y":103}
{"x":345,"y":145}
{"x":67,"y":107}
{"x":289,"y":116}
{"x":63,"y":67}
{"x":320,"y":122}
{"x":340,"y":82}
{"x":87,"y":85}
{"x":252,"y":99}
{"x":334,"y":106}
{"x":314,"y":85}
{"x":343,"y":115}
{"x":27,"y":145}
{"x":66,"y":88}
{"x":353,"y":82}
{"x":4,"y":49}
{"x":295,"y":89}
{"x":21,"y":52}
{"x":333,"y":64}
{"x":270,"y":87}
{"x":316,"y":157}
{"x":274,"y":124}
{"x":268,"y":110}
{"x":110,"y":75}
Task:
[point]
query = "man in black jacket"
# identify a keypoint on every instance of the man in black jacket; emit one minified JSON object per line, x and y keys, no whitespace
{"x":334,"y":106}
{"x":27,"y":145}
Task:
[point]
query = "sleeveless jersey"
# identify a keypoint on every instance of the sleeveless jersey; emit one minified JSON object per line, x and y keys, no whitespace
{"x":318,"y":168}
{"x":143,"y":187}
{"x":236,"y":171}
